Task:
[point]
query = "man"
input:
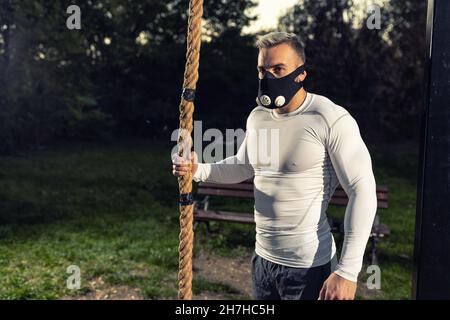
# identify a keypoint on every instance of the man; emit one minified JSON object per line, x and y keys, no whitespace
{"x":312,"y":145}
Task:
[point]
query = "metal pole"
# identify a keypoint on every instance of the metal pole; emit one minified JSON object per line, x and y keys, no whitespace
{"x":431,"y":277}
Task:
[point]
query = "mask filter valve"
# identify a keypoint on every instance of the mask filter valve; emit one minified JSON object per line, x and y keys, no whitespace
{"x":265,"y":100}
{"x":279,"y":101}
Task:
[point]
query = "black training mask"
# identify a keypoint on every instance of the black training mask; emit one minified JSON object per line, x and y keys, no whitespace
{"x":275,"y":92}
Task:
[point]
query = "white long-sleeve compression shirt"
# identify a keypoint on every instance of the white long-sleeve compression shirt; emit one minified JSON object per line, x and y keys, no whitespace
{"x":297,"y":160}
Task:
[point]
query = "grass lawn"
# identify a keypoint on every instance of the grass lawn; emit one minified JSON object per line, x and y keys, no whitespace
{"x":112,"y":211}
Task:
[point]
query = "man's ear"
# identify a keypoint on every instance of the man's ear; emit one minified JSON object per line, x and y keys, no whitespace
{"x":301,"y":77}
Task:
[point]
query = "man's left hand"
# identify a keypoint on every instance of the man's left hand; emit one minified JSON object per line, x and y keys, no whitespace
{"x":337,"y":288}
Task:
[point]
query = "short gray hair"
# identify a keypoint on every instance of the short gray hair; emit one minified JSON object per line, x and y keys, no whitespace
{"x":275,"y":38}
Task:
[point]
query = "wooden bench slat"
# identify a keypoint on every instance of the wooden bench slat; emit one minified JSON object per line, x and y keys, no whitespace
{"x":226,"y":192}
{"x":224,"y":216}
{"x":239,"y":186}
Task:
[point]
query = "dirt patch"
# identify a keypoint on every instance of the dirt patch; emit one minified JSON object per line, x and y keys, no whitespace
{"x":233,"y":272}
{"x":236,"y":272}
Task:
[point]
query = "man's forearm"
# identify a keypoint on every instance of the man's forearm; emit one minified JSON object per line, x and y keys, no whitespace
{"x":223,"y":172}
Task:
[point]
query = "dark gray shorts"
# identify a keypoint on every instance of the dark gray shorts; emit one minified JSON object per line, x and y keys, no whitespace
{"x":271,"y":281}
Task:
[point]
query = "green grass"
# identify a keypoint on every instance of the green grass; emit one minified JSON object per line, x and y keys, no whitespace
{"x":397,"y":168}
{"x":112,"y":211}
{"x":95,"y":207}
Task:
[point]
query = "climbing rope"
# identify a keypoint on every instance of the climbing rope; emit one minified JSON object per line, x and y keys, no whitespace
{"x":184,"y":148}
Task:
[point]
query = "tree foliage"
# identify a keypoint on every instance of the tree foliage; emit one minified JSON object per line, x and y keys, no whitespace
{"x":121,"y":74}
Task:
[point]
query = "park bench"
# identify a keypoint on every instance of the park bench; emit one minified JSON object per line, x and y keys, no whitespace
{"x":202,"y":212}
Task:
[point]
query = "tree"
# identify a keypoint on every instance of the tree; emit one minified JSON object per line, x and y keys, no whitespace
{"x":121,"y":73}
{"x":375,"y":74}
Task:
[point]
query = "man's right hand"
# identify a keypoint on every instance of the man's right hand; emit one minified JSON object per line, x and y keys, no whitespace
{"x":180,"y":165}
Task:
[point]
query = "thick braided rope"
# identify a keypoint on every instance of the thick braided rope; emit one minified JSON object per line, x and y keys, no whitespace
{"x":184,"y":148}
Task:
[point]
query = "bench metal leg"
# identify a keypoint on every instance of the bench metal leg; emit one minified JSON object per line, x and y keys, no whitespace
{"x":208,"y":228}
